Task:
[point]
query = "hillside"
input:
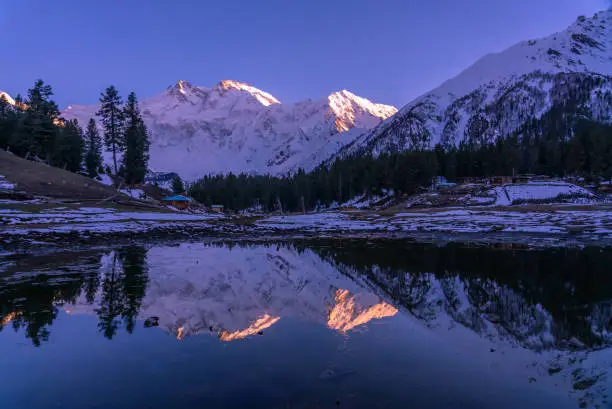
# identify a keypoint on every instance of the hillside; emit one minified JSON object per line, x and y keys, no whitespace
{"x":569,"y":72}
{"x":42,"y":180}
{"x":236,"y":127}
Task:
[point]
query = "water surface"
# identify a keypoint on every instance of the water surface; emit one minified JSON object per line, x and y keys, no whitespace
{"x":306,"y":324}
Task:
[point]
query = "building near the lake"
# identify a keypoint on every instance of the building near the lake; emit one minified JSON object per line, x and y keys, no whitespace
{"x":440,"y":182}
{"x":217,"y":208}
{"x":178,"y":201}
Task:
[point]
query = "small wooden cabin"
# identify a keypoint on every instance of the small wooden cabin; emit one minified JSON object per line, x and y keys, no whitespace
{"x":178,"y":201}
{"x":217,"y":208}
{"x":501,"y":180}
{"x":605,"y":187}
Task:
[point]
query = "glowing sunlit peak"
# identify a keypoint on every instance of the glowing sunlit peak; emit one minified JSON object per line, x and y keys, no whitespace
{"x":260,"y":324}
{"x":346,"y":314}
{"x":347,"y":108}
{"x":7,"y":97}
{"x":263,"y":97}
{"x":181,"y":86}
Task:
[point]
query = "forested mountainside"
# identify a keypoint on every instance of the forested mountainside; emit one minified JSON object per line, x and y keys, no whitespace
{"x":566,"y":75}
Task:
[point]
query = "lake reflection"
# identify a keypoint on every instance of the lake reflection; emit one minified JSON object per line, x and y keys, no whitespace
{"x":317,"y":324}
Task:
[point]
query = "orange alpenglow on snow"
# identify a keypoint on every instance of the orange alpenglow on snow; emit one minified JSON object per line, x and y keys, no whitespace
{"x":346,"y":315}
{"x":7,"y":97}
{"x":263,"y":97}
{"x":259,"y":325}
{"x":180,"y":334}
{"x":8,"y":318}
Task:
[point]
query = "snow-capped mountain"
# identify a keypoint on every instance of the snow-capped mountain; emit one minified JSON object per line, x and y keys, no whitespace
{"x":7,"y":97}
{"x":235,"y":127}
{"x":501,"y":92}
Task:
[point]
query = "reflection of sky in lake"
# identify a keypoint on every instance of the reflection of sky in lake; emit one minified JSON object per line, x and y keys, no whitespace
{"x":278,"y":326}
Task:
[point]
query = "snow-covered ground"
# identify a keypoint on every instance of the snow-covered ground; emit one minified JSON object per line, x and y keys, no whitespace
{"x":5,"y":185}
{"x":93,"y":220}
{"x":135,"y":193}
{"x":538,"y":191}
{"x":510,"y":194}
{"x":595,"y":223}
{"x":105,"y":180}
{"x":554,"y":226}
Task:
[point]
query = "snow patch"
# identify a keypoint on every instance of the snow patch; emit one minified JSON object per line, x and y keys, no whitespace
{"x":5,"y":185}
{"x":538,"y":191}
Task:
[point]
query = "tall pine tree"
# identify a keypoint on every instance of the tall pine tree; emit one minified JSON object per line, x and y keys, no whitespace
{"x":177,"y":185}
{"x":36,"y":131}
{"x":68,"y":152}
{"x":8,"y":121}
{"x":113,"y":122}
{"x":93,"y":153}
{"x":136,"y":156}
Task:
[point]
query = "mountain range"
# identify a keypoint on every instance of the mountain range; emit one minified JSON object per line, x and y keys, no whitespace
{"x":236,"y":127}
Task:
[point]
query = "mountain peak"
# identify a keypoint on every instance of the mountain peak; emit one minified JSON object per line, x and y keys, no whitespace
{"x":7,"y":97}
{"x":181,"y":87}
{"x":182,"y":84}
{"x":351,"y":110}
{"x":263,"y":97}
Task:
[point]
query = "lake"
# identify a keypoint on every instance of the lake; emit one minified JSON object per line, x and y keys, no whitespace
{"x":324,"y":324}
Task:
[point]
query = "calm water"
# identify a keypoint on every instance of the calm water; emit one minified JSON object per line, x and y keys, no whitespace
{"x":298,"y":325}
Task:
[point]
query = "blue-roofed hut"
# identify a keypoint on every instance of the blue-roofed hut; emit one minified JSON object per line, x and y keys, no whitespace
{"x":178,"y":201}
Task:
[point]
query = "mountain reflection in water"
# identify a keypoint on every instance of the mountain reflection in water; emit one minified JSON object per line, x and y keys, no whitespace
{"x":556,"y":304}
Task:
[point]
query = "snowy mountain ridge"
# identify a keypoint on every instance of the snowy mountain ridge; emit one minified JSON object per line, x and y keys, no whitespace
{"x":500,"y":92}
{"x":7,"y":97}
{"x":235,"y":127}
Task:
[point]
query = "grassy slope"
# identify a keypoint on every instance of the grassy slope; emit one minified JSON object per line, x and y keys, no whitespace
{"x":42,"y":180}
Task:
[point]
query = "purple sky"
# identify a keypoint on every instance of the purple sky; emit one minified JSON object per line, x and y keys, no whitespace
{"x":387,"y":50}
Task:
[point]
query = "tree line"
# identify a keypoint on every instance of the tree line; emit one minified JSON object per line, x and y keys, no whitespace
{"x":33,"y":128}
{"x":537,"y":149}
{"x":557,"y":144}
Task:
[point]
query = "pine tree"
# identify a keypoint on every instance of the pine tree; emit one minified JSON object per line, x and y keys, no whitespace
{"x":177,"y":185}
{"x":68,"y":152}
{"x":36,"y":130}
{"x":136,"y":157}
{"x":8,"y":121}
{"x":113,"y":122}
{"x":93,"y":155}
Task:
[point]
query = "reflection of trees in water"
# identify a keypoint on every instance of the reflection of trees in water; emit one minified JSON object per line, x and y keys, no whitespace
{"x":29,"y":301}
{"x":123,"y":288}
{"x":541,"y":298}
{"x":33,"y":288}
{"x":559,"y":298}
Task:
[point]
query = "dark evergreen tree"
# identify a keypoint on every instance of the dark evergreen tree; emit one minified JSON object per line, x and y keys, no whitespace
{"x":68,"y":152}
{"x":112,"y":116}
{"x":36,"y":130}
{"x":177,"y":185}
{"x":8,"y":121}
{"x":93,"y":151}
{"x":136,"y":138}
